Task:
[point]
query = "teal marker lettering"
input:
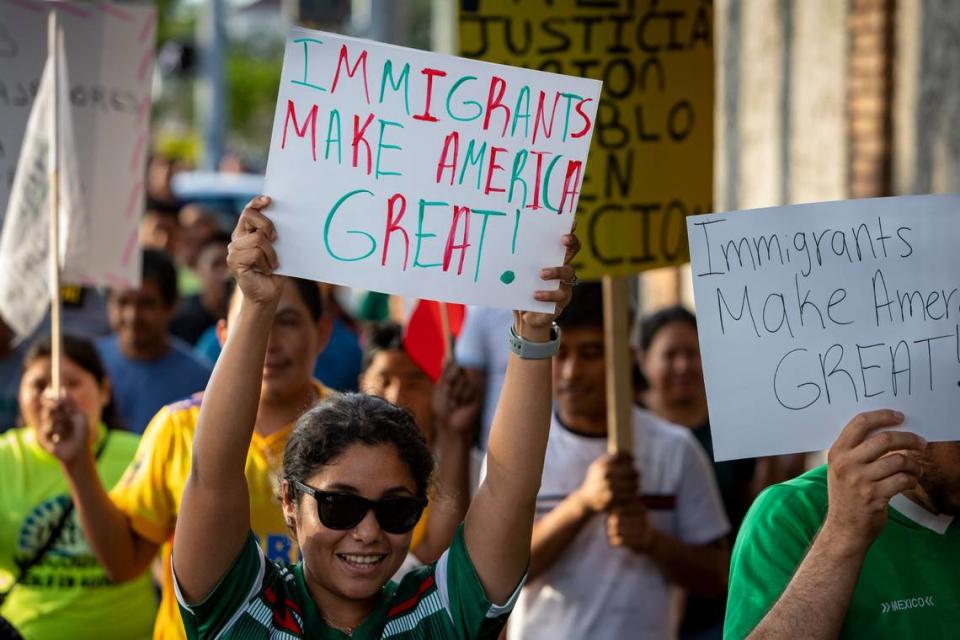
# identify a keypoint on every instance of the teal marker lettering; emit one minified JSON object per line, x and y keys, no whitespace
{"x":331,"y":129}
{"x":475,"y":160}
{"x":516,"y":232}
{"x":522,"y":97}
{"x":403,"y":80}
{"x":326,"y":229}
{"x":421,"y":235}
{"x":380,"y":147}
{"x":473,"y":103}
{"x":566,"y":116}
{"x":306,"y":63}
{"x":519,"y":162}
{"x":546,"y":184}
{"x":483,"y":231}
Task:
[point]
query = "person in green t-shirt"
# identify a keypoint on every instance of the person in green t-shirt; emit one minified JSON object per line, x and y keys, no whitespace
{"x":355,"y":478}
{"x":53,"y":585}
{"x":867,"y":546}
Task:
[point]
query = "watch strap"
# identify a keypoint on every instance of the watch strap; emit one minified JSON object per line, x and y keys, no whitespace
{"x":528,"y":350}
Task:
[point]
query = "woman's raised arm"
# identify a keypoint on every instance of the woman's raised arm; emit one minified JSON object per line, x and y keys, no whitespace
{"x":214,"y":519}
{"x":500,"y":519}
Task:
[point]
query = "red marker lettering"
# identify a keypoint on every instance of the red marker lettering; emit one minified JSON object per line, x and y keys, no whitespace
{"x":358,"y":138}
{"x":430,"y":73}
{"x":536,"y":185}
{"x":495,"y":101}
{"x":301,"y":131}
{"x":571,"y":184}
{"x":343,"y":61}
{"x":393,"y":224}
{"x":586,"y":119}
{"x":455,"y":139}
{"x":458,"y":212}
{"x":491,"y":167}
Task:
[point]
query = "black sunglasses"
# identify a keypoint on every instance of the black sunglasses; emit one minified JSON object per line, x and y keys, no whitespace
{"x":346,"y":510}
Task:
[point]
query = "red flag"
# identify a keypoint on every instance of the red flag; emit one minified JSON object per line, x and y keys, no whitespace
{"x":423,"y":336}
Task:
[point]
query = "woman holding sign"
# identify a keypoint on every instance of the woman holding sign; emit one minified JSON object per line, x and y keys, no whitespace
{"x":356,"y":474}
{"x":51,"y":585}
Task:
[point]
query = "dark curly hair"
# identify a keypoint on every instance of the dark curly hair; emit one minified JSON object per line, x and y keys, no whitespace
{"x":327,"y":430}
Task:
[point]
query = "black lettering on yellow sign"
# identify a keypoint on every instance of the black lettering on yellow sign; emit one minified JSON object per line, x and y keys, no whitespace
{"x":651,"y":159}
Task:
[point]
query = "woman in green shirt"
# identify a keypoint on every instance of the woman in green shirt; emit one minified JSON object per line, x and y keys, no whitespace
{"x":51,"y":584}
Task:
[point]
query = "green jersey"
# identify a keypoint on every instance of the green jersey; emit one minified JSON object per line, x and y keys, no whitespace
{"x":909,"y":586}
{"x":67,"y":594}
{"x":258,"y":599}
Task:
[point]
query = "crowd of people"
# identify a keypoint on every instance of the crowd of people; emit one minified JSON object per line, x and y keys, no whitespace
{"x":238,"y":454}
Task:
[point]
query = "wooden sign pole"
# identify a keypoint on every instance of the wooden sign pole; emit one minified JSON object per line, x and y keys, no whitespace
{"x":616,"y":297}
{"x":54,"y":36}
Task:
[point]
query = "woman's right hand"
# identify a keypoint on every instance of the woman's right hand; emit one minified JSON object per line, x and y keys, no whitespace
{"x":251,"y":256}
{"x":63,"y":431}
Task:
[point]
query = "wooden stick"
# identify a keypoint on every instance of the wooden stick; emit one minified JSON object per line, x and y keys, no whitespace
{"x":54,"y":39}
{"x":616,"y":295}
{"x":447,"y":334}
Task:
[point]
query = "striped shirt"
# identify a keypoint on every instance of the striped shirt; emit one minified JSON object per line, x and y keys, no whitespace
{"x":258,"y":600}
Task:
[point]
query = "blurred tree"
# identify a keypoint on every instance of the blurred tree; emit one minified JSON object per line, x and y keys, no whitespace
{"x":253,"y":84}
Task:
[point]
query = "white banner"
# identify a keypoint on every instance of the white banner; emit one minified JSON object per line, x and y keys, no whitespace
{"x":109,"y":49}
{"x":25,"y":240}
{"x":809,"y":314}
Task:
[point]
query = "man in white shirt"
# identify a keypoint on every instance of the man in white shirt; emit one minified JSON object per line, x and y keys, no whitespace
{"x":615,"y":534}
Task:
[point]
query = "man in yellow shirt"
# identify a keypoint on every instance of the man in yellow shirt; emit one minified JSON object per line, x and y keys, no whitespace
{"x":127,"y":527}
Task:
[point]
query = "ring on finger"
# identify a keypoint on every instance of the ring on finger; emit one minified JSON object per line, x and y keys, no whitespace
{"x":572,"y":282}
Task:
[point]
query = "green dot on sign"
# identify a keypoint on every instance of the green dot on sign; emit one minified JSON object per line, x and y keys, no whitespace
{"x":507,"y":277}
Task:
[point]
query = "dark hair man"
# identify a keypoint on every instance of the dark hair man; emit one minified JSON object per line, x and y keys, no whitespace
{"x":148,"y":367}
{"x":615,"y":533}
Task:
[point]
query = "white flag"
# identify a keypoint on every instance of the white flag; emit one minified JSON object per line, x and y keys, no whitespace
{"x":25,"y":240}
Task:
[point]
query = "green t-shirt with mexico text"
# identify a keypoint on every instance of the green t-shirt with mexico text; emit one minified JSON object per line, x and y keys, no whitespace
{"x":257,"y":600}
{"x":909,"y":586}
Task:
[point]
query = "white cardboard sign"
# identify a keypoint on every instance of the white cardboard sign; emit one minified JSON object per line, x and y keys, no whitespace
{"x":423,"y":174}
{"x":110,"y":56}
{"x":809,"y":314}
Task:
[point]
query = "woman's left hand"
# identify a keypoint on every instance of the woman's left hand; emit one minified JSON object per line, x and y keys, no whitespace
{"x":63,"y":430}
{"x":539,"y":321}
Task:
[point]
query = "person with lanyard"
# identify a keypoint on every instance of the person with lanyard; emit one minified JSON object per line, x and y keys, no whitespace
{"x":127,"y":526}
{"x":866,"y":546}
{"x":355,"y":478}
{"x":51,"y":586}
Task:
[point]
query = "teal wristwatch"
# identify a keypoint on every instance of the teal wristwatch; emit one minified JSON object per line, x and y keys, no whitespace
{"x":528,"y":350}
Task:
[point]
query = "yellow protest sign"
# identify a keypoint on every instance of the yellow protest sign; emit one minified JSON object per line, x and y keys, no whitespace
{"x":651,"y":161}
